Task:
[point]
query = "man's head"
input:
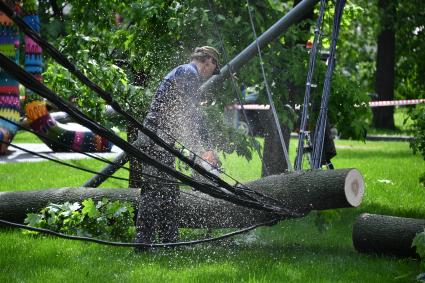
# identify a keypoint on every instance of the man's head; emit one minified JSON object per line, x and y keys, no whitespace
{"x":206,"y":59}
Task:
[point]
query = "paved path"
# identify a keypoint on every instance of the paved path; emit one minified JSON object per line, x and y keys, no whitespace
{"x":18,"y":155}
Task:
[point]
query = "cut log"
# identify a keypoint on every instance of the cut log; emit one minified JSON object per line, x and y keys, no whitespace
{"x":298,"y":191}
{"x":386,"y":235}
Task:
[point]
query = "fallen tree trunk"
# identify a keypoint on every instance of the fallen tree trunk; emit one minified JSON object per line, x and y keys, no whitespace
{"x":298,"y":191}
{"x":388,"y":235}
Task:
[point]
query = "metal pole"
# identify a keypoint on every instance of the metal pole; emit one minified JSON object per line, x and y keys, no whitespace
{"x":235,"y":64}
{"x":251,"y":51}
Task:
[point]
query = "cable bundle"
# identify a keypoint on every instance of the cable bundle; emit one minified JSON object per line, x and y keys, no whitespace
{"x":319,"y":132}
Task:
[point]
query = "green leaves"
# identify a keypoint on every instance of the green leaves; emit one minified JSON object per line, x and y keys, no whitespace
{"x":33,"y":219}
{"x":104,"y":219}
{"x":418,"y":143}
{"x":89,"y":208}
{"x":419,"y":243}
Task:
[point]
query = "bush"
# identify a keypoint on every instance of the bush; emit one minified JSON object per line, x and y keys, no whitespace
{"x":418,"y":127}
{"x":104,"y":219}
{"x":419,"y":243}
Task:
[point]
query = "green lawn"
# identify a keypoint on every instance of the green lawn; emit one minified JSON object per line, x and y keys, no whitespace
{"x":402,"y":124}
{"x":292,"y":251}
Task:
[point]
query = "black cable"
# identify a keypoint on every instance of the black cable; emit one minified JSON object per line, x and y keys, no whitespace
{"x":80,"y":167}
{"x":56,"y":142}
{"x":55,"y":160}
{"x":122,"y":244}
{"x":108,"y":98}
{"x":240,"y":186}
{"x":101,"y":159}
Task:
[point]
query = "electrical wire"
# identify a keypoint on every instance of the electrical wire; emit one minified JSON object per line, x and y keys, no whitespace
{"x":30,"y":82}
{"x":135,"y":245}
{"x":60,"y":144}
{"x":101,"y":159}
{"x":159,"y":180}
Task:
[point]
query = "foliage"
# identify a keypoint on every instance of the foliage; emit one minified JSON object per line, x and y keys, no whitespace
{"x":410,"y":49}
{"x":419,"y":244}
{"x":104,"y":219}
{"x":418,"y":127}
{"x":114,"y":81}
{"x":348,"y":108}
{"x":227,"y":138}
{"x":130,"y":58}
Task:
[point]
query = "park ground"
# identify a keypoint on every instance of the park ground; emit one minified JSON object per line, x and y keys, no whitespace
{"x":299,"y":250}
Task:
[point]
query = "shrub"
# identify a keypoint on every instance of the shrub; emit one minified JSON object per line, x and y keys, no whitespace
{"x":418,"y":127}
{"x":419,"y":243}
{"x":104,"y":219}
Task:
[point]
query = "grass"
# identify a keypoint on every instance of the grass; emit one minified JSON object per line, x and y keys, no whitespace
{"x":402,"y":124}
{"x":292,"y":251}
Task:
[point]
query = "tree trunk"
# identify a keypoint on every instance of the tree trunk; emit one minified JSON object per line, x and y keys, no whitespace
{"x":274,"y":161}
{"x":388,"y":235}
{"x":273,"y":157}
{"x":298,"y":191}
{"x":383,"y":117}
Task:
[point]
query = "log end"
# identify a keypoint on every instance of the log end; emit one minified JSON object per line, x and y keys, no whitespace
{"x":354,"y":187}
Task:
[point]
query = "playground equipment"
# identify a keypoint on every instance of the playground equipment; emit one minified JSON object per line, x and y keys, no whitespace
{"x":63,"y":137}
{"x":9,"y":87}
{"x":58,"y":136}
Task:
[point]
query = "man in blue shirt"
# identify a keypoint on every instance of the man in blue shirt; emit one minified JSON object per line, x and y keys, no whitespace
{"x":174,"y":113}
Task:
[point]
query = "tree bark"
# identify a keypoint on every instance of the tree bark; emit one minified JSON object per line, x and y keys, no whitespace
{"x":389,"y":235}
{"x":273,"y":157}
{"x":298,"y":191}
{"x":383,"y":117}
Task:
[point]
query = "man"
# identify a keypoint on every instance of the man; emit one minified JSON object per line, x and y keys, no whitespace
{"x":174,"y":113}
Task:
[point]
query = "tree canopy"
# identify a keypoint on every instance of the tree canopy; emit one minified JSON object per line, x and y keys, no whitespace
{"x":128,"y":46}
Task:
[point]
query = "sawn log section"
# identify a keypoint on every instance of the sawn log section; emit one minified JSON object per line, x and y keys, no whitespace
{"x":388,"y":235}
{"x":299,"y":191}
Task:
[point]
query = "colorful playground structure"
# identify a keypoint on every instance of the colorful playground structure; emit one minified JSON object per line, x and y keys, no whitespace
{"x":58,"y":136}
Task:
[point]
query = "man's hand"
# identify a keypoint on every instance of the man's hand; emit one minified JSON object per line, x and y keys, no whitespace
{"x":211,"y":162}
{"x":211,"y":158}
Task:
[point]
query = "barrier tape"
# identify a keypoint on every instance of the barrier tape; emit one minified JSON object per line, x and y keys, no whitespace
{"x":249,"y":107}
{"x":395,"y":102}
{"x":371,"y":104}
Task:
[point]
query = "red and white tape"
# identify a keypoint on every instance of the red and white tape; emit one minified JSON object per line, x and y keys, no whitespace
{"x":371,"y":104}
{"x":395,"y":102}
{"x":250,"y":106}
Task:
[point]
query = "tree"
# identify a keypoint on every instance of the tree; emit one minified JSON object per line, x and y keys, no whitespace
{"x":154,"y":36}
{"x":383,"y":117}
{"x":410,"y":49}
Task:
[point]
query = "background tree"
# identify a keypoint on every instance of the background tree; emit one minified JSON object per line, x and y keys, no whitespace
{"x":130,"y":57}
{"x":383,"y":117}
